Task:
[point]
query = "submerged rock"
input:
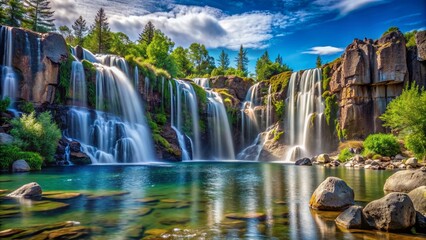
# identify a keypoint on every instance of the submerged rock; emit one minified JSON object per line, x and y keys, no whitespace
{"x":175,"y":221}
{"x":62,"y":196}
{"x":155,"y":231}
{"x":418,"y":197}
{"x":405,"y":181}
{"x":351,"y":218}
{"x":393,"y":212}
{"x":29,"y":191}
{"x":332,"y":194}
{"x":246,"y":216}
{"x":20,"y":166}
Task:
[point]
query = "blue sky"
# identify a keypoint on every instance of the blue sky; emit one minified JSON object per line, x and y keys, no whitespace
{"x":298,"y":30}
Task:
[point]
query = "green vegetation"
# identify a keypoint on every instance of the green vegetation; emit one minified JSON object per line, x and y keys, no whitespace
{"x":201,"y":94}
{"x":280,"y":81}
{"x":277,"y":135}
{"x":410,"y":38}
{"x":391,"y":29}
{"x":383,"y":144}
{"x":4,"y":103}
{"x":331,"y":107}
{"x":265,"y":68}
{"x":242,"y":61}
{"x":39,"y":134}
{"x":326,"y":78}
{"x":342,"y":133}
{"x":11,"y":153}
{"x":318,"y":62}
{"x":64,"y":80}
{"x":344,"y":155}
{"x":26,"y":107}
{"x":406,"y":115}
{"x":40,"y":15}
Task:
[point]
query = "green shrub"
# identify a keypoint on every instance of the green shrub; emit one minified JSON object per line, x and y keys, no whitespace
{"x":391,"y":29}
{"x":417,"y":144}
{"x":376,"y":156}
{"x":367,"y":153}
{"x":4,"y":103}
{"x":383,"y":144}
{"x":277,"y":135}
{"x":331,"y":107}
{"x":279,"y":108}
{"x":27,"y":107}
{"x":280,"y":81}
{"x":39,"y":134}
{"x":11,"y":153}
{"x":325,"y":77}
{"x":345,"y":154}
{"x":161,"y":118}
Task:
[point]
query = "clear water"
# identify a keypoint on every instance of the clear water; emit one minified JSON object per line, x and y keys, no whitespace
{"x":202,"y":193}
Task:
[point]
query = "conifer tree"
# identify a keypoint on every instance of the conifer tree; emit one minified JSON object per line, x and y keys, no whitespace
{"x":319,"y":61}
{"x":80,"y":29}
{"x":40,"y":15}
{"x":101,"y":31}
{"x":242,"y":60}
{"x":147,"y":34}
{"x":223,"y":60}
{"x":279,"y":60}
{"x":15,"y":13}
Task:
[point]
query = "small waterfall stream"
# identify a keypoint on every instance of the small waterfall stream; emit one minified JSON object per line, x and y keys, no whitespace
{"x":305,"y":110}
{"x":9,"y":81}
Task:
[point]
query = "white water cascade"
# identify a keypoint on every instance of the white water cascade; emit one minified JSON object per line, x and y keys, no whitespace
{"x":222,"y":146}
{"x":305,"y":110}
{"x":9,"y":81}
{"x":185,"y":117}
{"x":117,"y":131}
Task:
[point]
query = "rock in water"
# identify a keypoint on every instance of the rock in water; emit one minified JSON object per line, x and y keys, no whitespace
{"x":411,"y":162}
{"x":351,"y":218}
{"x":418,"y":197}
{"x":393,"y":212}
{"x":20,"y":166}
{"x":304,"y":162}
{"x":332,"y":194}
{"x":323,"y":158}
{"x":30,"y":191}
{"x":405,"y":181}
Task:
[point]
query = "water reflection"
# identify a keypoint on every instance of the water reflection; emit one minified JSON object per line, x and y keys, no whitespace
{"x":219,"y":200}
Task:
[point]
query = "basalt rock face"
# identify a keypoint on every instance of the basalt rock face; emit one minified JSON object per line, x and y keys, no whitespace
{"x":369,"y":75}
{"x":236,"y":85}
{"x":36,"y":59}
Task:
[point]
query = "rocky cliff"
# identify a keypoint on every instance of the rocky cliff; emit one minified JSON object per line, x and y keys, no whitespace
{"x":369,"y":75}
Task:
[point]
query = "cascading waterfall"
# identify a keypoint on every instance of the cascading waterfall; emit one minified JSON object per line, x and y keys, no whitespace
{"x":222,"y":146}
{"x":9,"y":82}
{"x":120,"y":135}
{"x":250,"y":126}
{"x":305,"y":110}
{"x":185,"y":117}
{"x":202,"y":82}
{"x":78,"y":81}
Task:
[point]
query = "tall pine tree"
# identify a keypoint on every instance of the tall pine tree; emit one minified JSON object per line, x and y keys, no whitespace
{"x":319,"y":61}
{"x":147,"y":34}
{"x":80,"y":29}
{"x":40,"y":15}
{"x":223,"y":60}
{"x":242,"y":60}
{"x":101,"y":31}
{"x":15,"y":13}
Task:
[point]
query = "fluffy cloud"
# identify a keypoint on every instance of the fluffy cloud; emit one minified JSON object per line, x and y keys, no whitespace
{"x":324,"y":50}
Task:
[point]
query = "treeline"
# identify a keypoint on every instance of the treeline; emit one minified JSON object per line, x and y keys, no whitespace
{"x":36,"y":15}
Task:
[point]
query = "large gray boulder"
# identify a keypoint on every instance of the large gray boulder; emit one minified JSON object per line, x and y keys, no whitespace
{"x":6,"y":138}
{"x":351,"y":218}
{"x":20,"y":166}
{"x":29,"y":191}
{"x":393,"y":212}
{"x":332,"y":194}
{"x":405,"y":181}
{"x":418,"y":197}
{"x":55,"y":48}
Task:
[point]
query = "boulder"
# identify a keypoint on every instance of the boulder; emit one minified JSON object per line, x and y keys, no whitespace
{"x":421,"y":45}
{"x":80,"y":158}
{"x":405,"y":181}
{"x":6,"y":138}
{"x":29,"y":191}
{"x":55,"y":48}
{"x":418,"y":197}
{"x":358,"y":158}
{"x":399,"y":157}
{"x":332,"y":194}
{"x":351,"y":218}
{"x":411,"y":162}
{"x":20,"y":166}
{"x":323,"y":158}
{"x":393,"y":212}
{"x":304,"y":161}
{"x":420,"y":223}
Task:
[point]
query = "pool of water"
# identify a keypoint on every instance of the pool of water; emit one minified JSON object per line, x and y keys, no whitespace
{"x":195,"y":200}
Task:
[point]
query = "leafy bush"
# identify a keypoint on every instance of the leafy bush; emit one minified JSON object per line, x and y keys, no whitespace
{"x":383,"y":144}
{"x":407,"y":115}
{"x":4,"y":103}
{"x":325,"y":77}
{"x":345,"y":154}
{"x":27,"y":107}
{"x":391,"y":29}
{"x":39,"y":134}
{"x":377,"y":156}
{"x":11,"y":153}
{"x":279,"y":108}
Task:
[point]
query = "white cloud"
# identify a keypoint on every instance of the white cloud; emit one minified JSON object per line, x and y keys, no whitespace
{"x":345,"y":6}
{"x":324,"y":50}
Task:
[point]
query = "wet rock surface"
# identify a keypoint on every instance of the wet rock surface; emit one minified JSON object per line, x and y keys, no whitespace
{"x":332,"y":194}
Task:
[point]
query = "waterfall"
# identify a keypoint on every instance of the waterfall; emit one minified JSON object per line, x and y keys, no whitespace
{"x":250,"y":127}
{"x":222,"y":146}
{"x":9,"y":81}
{"x":305,"y":110}
{"x":202,"y":82}
{"x":136,"y":78}
{"x":269,"y":108}
{"x":185,"y":117}
{"x":117,"y":131}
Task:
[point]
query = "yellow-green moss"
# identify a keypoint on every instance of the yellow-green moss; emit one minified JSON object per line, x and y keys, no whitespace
{"x":280,"y":81}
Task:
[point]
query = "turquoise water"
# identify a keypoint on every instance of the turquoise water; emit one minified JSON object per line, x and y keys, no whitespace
{"x":195,"y":200}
